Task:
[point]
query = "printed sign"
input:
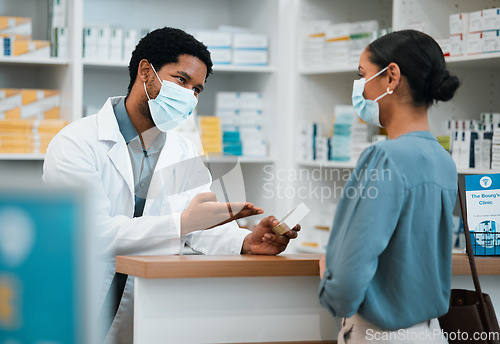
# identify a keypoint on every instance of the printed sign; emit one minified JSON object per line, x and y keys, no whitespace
{"x":483,"y":212}
{"x":40,"y":267}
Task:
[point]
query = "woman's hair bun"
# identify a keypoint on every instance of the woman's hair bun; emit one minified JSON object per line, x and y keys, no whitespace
{"x":443,"y":85}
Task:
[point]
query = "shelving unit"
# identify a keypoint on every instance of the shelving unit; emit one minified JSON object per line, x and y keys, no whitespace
{"x":292,"y":93}
{"x":14,"y":157}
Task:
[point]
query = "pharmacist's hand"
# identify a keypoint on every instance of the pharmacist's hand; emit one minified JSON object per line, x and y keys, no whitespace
{"x":322,"y":266}
{"x":263,"y":240}
{"x":204,"y":212}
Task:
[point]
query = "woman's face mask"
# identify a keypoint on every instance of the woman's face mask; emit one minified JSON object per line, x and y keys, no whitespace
{"x":367,"y":109}
{"x":172,"y":106}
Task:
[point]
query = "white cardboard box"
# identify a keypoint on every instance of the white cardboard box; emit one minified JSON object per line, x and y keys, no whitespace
{"x":474,"y":43}
{"x":491,"y":41}
{"x":459,"y":23}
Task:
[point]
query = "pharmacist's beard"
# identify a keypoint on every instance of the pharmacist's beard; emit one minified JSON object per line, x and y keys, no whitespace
{"x":145,"y":112}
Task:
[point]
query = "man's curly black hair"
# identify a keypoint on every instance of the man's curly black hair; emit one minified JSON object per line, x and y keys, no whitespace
{"x":165,"y":45}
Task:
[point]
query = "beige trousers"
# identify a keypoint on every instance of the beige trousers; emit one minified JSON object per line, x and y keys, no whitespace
{"x":356,"y":330}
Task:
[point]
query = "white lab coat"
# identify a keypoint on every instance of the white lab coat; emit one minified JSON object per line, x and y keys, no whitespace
{"x":92,"y":152}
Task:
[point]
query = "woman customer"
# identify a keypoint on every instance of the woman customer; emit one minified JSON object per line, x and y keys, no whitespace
{"x":387,"y":269}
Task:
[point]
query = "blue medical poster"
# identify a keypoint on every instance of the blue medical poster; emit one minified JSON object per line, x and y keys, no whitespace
{"x":483,"y":212}
{"x":40,"y":267}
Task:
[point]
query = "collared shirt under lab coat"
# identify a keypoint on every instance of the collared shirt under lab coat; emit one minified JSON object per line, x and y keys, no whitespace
{"x":93,"y":152}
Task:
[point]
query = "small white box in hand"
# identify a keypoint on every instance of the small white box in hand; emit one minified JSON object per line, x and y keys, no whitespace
{"x":291,"y":219}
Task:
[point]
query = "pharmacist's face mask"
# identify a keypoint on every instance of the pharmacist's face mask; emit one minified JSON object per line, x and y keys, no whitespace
{"x":367,"y":109}
{"x":172,"y":106}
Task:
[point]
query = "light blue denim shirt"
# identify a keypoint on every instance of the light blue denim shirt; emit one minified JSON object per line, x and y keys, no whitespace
{"x":143,"y":160}
{"x":389,"y":253}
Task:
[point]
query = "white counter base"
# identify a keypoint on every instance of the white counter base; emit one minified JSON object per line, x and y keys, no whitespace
{"x":230,"y":310}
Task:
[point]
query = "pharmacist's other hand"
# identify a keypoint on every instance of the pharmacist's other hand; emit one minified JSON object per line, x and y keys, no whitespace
{"x":322,"y":266}
{"x":204,"y":212}
{"x":263,"y":240}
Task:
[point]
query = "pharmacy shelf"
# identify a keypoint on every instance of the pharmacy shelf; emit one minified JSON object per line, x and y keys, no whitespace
{"x":105,"y":64}
{"x":22,"y":156}
{"x":476,"y":171}
{"x":328,"y":164}
{"x":322,"y":71}
{"x":241,"y":159}
{"x":244,"y":69}
{"x":216,"y":68}
{"x":32,"y":61}
{"x":475,"y":61}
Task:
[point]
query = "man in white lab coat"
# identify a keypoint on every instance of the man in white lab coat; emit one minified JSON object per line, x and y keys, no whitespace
{"x":149,"y":190}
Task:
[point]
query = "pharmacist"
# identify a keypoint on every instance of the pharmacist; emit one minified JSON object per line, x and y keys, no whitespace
{"x":150,"y":192}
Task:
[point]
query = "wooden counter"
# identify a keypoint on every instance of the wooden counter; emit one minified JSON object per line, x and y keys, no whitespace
{"x":198,"y":266}
{"x":221,"y":295}
{"x":485,"y":265}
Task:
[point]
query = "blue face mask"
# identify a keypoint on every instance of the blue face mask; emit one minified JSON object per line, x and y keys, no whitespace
{"x":172,"y":106}
{"x":367,"y":109}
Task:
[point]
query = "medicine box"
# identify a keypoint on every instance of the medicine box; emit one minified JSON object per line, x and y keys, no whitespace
{"x":250,"y":41}
{"x":476,"y":21}
{"x":250,"y":101}
{"x":220,"y":55}
{"x":444,"y":44}
{"x":90,"y":36}
{"x":130,"y":40}
{"x":491,"y":41}
{"x":474,"y":43}
{"x":459,"y":23}
{"x":227,"y":100}
{"x":491,"y":19}
{"x":250,"y":117}
{"x":29,"y":103}
{"x":60,"y":42}
{"x":250,"y":57}
{"x":254,"y":148}
{"x":103,"y":42}
{"x":457,"y":45}
{"x":16,"y":26}
{"x":27,"y":48}
{"x":215,"y":39}
{"x":116,"y":44}
{"x":58,"y":16}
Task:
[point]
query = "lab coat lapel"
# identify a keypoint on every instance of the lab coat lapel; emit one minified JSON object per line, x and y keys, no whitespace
{"x":108,"y":130}
{"x":163,"y":182}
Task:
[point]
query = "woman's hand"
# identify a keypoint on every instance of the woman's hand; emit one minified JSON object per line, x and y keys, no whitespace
{"x":322,"y":266}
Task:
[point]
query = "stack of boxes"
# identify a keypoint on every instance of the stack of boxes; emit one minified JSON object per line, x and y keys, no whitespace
{"x":29,"y":119}
{"x":210,"y":132}
{"x":59,"y":34}
{"x":341,"y":140}
{"x":350,"y":138}
{"x":308,"y":135}
{"x":16,"y":35}
{"x":327,"y":45}
{"x":314,"y":43}
{"x":471,"y":141}
{"x":495,"y":149}
{"x":473,"y":33}
{"x":242,"y":123}
{"x":106,"y":43}
{"x":15,"y":39}
{"x":236,"y":48}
